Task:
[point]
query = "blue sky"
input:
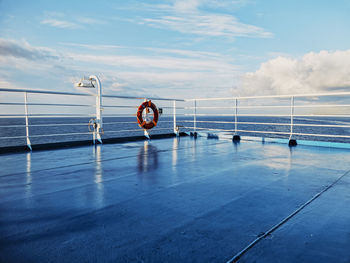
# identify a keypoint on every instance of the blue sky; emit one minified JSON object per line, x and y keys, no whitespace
{"x":177,"y":48}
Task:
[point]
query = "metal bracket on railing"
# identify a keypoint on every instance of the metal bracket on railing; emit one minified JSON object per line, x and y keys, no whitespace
{"x":93,"y":128}
{"x":177,"y":129}
{"x":145,"y":132}
{"x":147,"y":135}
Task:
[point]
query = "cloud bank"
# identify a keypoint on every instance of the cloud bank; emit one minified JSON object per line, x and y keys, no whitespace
{"x":314,"y":72}
{"x":161,"y":72}
{"x":167,"y":71}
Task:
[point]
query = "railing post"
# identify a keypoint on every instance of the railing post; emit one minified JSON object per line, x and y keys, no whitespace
{"x":145,"y":132}
{"x":27,"y":121}
{"x":236,"y":137}
{"x":291,"y":116}
{"x":176,"y":131}
{"x":292,"y":142}
{"x":236,"y":102}
{"x":195,"y":118}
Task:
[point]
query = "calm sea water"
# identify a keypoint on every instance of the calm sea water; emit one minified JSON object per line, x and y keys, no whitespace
{"x":119,"y":127}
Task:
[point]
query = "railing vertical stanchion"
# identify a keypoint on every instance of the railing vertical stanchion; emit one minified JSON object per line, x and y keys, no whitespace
{"x":174,"y":114}
{"x":195,"y":118}
{"x":292,"y":142}
{"x":236,"y":105}
{"x":27,"y":121}
{"x":236,"y":137}
{"x":291,"y":117}
{"x":145,"y":132}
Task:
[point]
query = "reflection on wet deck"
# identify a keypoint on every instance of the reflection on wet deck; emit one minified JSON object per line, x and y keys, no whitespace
{"x":175,"y":200}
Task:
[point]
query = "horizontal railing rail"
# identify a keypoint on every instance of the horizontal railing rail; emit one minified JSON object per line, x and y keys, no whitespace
{"x":48,"y":92}
{"x":330,"y":110}
{"x":318,"y":115}
{"x":115,"y":107}
{"x":323,"y":94}
{"x":274,"y":106}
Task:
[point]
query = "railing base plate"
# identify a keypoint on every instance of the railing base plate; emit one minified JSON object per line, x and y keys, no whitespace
{"x":236,"y":138}
{"x":292,"y":142}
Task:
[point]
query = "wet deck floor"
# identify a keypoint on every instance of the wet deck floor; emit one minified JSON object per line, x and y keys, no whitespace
{"x":175,"y":200}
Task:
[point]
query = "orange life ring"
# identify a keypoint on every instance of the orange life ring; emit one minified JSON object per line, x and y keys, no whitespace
{"x":147,"y":124}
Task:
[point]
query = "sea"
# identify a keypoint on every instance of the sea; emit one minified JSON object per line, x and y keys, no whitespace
{"x":59,"y":129}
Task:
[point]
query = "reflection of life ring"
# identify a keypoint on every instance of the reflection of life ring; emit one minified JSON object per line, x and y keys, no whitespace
{"x":146,"y":124}
{"x":147,"y":159}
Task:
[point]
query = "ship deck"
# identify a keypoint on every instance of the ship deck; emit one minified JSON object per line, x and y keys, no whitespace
{"x":176,"y":200}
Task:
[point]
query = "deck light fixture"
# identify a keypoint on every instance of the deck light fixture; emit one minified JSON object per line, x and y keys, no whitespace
{"x":94,"y":82}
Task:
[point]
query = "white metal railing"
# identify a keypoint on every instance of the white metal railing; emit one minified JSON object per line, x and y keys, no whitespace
{"x":286,"y":115}
{"x":343,"y":111}
{"x":29,"y":113}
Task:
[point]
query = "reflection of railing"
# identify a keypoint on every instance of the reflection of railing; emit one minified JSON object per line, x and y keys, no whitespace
{"x":340,"y":110}
{"x":290,"y":116}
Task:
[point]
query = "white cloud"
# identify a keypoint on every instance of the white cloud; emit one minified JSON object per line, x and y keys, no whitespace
{"x":60,"y":23}
{"x":186,"y":16}
{"x":90,"y":21}
{"x":208,"y":25}
{"x":93,"y":46}
{"x":186,"y":5}
{"x":187,"y":53}
{"x":314,"y":72}
{"x":60,"y":20}
{"x":160,"y":62}
{"x":157,"y":51}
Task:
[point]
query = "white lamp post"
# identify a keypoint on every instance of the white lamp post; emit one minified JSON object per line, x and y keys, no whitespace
{"x":88,"y":83}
